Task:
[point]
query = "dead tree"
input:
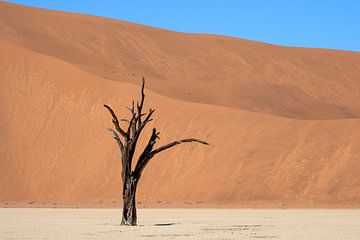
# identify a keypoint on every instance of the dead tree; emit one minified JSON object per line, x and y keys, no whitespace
{"x":127,"y":139}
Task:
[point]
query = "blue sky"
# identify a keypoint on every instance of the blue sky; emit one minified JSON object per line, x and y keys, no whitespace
{"x":307,"y":23}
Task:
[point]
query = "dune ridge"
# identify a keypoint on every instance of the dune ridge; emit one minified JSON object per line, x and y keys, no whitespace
{"x":280,"y":136}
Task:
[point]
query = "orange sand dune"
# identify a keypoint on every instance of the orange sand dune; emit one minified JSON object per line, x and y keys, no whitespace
{"x":291,"y":82}
{"x":55,"y":69}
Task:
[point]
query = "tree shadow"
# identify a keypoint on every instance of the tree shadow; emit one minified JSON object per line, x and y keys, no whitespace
{"x":163,"y":224}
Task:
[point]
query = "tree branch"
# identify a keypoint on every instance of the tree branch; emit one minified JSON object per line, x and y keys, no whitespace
{"x":116,"y":121}
{"x":148,"y":153}
{"x":136,"y":124}
{"x":172,"y":144}
{"x":140,"y":105}
{"x":143,"y":124}
{"x":132,"y":122}
{"x":124,"y":164}
{"x":117,"y":138}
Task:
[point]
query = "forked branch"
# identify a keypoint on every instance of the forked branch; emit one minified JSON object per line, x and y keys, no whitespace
{"x":149,"y":153}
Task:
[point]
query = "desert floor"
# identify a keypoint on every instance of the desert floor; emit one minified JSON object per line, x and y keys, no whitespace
{"x":33,"y":223}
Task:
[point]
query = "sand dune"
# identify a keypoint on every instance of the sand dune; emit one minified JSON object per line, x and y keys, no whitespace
{"x":292,"y":82}
{"x":282,"y":122}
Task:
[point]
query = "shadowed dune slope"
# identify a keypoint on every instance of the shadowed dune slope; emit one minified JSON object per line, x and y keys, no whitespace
{"x":54,"y":146}
{"x":291,"y":82}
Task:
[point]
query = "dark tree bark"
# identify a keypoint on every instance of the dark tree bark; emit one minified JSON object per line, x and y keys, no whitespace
{"x":127,"y":140}
{"x":129,"y":216}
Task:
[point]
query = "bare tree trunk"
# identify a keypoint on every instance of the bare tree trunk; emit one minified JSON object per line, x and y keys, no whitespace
{"x":129,"y":216}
